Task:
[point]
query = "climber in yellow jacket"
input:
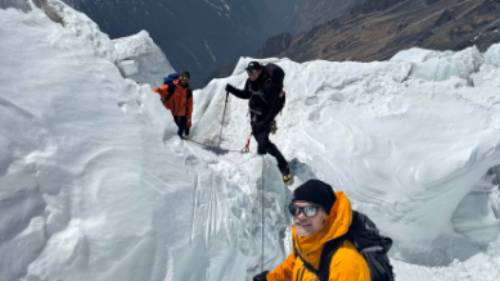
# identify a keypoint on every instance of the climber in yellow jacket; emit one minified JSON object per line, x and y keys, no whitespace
{"x":319,"y":215}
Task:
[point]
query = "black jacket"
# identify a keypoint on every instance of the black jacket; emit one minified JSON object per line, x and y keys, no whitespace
{"x":263,"y":101}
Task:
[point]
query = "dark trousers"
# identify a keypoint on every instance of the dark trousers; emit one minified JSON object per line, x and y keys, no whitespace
{"x":181,"y":122}
{"x":264,"y":145}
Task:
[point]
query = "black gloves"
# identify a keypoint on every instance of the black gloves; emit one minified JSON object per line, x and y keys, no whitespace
{"x":261,"y":276}
{"x":230,"y":88}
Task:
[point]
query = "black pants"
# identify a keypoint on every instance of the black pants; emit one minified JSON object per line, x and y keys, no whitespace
{"x":266,"y":146}
{"x":181,"y":122}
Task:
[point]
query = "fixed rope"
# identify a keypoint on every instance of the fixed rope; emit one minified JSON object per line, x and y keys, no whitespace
{"x":219,"y":150}
{"x":214,"y":148}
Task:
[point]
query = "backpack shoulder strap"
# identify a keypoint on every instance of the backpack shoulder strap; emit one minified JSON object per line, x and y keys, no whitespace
{"x":171,"y":88}
{"x":327,"y":254}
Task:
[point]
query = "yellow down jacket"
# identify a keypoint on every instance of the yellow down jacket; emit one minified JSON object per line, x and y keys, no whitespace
{"x":347,"y":263}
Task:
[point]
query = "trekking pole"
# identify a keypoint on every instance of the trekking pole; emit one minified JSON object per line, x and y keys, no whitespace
{"x":222,"y":121}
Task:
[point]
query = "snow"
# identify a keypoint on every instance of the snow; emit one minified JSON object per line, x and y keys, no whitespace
{"x":140,"y":59}
{"x":492,"y":55}
{"x":400,"y":146}
{"x":438,"y":65}
{"x":80,"y":26}
{"x":95,"y":184}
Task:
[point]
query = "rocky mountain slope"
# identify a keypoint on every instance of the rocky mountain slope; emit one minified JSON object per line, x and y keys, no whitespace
{"x":311,"y":13}
{"x":376,"y":31}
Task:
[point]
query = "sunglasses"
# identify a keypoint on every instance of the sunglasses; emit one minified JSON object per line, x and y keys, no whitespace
{"x":308,"y":211}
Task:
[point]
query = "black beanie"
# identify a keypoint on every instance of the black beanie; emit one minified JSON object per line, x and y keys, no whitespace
{"x":315,"y":191}
{"x":254,"y":65}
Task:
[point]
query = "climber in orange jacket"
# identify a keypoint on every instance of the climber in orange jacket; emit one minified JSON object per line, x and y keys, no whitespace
{"x":319,"y":215}
{"x":177,"y":97}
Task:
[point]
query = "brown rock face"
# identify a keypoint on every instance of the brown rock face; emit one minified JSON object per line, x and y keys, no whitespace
{"x":376,"y":30}
{"x":310,"y":13}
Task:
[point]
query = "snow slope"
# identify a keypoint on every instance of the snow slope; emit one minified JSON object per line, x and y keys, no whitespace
{"x":95,"y":185}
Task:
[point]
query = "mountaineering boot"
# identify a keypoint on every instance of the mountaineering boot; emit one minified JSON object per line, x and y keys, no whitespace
{"x":287,"y":176}
{"x":288,"y":179}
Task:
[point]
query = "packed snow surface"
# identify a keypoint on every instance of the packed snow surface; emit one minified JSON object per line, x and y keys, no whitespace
{"x":95,"y":184}
{"x":140,"y":59}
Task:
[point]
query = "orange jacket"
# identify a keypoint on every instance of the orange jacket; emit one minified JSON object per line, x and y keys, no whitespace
{"x":347,"y":263}
{"x":180,"y":102}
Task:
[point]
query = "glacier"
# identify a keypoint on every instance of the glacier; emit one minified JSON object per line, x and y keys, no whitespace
{"x":95,"y":185}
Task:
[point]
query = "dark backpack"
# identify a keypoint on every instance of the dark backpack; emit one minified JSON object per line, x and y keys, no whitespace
{"x":364,"y":234}
{"x":277,"y":76}
{"x":169,"y":79}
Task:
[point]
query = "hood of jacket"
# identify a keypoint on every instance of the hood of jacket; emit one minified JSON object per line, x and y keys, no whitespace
{"x":337,"y":224}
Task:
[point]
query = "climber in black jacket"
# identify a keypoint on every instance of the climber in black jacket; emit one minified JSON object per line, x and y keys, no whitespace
{"x":264,"y":90}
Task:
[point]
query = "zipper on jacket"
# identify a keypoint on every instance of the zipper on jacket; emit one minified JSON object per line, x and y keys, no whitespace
{"x":300,"y":274}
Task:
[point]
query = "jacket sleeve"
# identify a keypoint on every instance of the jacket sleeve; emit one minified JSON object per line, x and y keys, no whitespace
{"x":189,"y":107}
{"x":162,"y":90}
{"x":349,"y":265}
{"x":242,"y":94}
{"x":284,"y":271}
